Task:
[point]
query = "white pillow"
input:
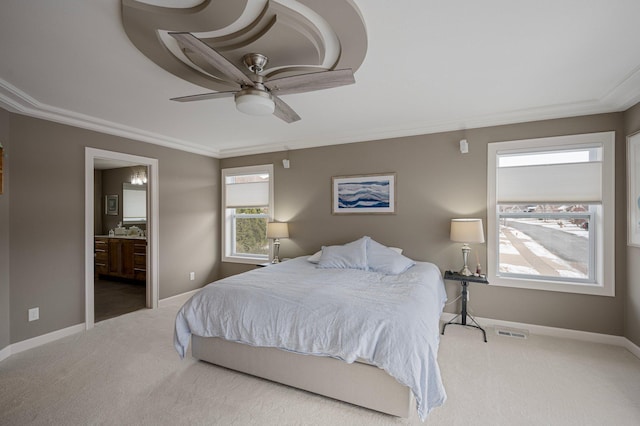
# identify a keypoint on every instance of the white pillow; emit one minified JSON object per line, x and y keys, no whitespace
{"x":386,"y":260}
{"x":315,"y":258}
{"x":349,"y":256}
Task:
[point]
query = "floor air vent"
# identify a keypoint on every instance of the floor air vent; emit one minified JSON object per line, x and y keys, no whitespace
{"x":510,"y":332}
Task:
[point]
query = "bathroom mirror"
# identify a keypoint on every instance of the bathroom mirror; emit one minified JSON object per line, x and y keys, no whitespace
{"x":134,"y":203}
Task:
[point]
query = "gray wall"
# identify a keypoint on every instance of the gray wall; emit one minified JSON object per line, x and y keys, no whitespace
{"x":5,"y":331}
{"x":434,"y":184}
{"x":46,"y":221}
{"x":42,"y":217}
{"x":632,"y":308}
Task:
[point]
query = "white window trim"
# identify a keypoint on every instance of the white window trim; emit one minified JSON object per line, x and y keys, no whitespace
{"x":248,"y":259}
{"x":605,"y":252}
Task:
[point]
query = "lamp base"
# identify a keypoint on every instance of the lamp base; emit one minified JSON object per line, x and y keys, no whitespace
{"x":276,"y":251}
{"x":465,"y":256}
{"x":466,"y":271}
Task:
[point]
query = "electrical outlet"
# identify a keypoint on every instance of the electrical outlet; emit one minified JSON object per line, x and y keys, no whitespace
{"x":34,"y":314}
{"x":192,"y":276}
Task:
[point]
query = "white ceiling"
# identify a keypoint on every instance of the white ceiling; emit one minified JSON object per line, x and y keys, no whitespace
{"x":431,"y":66}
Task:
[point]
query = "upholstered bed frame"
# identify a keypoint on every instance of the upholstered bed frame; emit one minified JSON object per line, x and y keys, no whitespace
{"x":358,"y":383}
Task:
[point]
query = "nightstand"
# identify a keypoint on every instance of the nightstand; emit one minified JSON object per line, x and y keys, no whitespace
{"x":464,"y":281}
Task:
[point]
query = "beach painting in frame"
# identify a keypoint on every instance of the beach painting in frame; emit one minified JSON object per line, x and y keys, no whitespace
{"x":364,"y":194}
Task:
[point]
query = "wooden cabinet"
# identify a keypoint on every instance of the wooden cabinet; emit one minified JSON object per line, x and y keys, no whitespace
{"x":121,"y":257}
{"x":101,"y":253}
{"x":140,"y":260}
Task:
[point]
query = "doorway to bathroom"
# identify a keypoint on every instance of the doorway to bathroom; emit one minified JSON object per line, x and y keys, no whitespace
{"x":121,"y":234}
{"x":120,"y":243}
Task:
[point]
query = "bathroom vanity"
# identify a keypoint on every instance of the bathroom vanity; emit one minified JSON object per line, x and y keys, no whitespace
{"x":121,"y":257}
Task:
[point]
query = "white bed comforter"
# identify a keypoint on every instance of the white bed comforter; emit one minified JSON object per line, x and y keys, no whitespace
{"x":390,"y":321}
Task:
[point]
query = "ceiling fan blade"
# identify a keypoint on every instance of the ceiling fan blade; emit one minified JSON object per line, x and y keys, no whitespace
{"x":310,"y":82}
{"x":204,"y":96}
{"x":284,"y":111}
{"x":213,"y":57}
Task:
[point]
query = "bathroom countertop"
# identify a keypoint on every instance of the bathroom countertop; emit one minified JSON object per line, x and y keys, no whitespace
{"x":129,"y":237}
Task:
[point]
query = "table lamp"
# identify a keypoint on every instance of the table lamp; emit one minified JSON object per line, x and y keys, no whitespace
{"x":466,"y":231}
{"x":275,"y":231}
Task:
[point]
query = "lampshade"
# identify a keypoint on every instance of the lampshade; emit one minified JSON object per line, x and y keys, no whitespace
{"x":277,"y":230}
{"x":254,"y":102}
{"x":467,"y":231}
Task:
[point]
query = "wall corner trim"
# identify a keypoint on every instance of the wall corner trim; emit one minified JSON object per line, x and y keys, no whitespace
{"x":178,"y":298}
{"x":632,"y":347}
{"x":5,"y":353}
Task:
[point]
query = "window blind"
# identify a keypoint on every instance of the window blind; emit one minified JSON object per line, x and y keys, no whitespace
{"x":550,"y":183}
{"x":247,"y":194}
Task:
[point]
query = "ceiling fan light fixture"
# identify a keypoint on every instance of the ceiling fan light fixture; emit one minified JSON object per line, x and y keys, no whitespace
{"x":255,"y":102}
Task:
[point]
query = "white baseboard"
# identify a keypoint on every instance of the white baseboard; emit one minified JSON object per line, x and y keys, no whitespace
{"x":169,"y":300}
{"x":40,"y":340}
{"x":563,"y":333}
{"x":58,"y":334}
{"x":534,"y":329}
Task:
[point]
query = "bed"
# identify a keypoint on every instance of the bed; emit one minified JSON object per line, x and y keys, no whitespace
{"x":353,"y":322}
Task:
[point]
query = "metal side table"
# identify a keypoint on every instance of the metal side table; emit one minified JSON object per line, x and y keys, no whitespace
{"x":464,"y":281}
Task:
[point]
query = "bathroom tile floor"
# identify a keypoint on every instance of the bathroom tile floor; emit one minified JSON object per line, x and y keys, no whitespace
{"x":115,"y":298}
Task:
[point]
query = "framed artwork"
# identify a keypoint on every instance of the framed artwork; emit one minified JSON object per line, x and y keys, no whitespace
{"x":111,"y":205}
{"x":364,"y":194}
{"x":633,"y":186}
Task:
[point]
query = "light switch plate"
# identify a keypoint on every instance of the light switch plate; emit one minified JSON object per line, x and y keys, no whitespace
{"x":34,"y":314}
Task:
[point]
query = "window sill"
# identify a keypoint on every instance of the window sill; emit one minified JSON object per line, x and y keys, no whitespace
{"x":245,"y":260}
{"x":559,"y":286}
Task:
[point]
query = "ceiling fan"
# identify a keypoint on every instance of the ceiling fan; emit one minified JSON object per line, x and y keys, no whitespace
{"x":257,"y":95}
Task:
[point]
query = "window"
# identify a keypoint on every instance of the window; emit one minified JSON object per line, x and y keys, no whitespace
{"x":551,"y":213}
{"x":247,"y":199}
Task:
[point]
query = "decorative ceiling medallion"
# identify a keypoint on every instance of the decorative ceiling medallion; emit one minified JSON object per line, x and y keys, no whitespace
{"x":298,"y":37}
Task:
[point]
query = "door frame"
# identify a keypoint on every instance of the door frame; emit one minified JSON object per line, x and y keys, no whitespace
{"x":152,"y":287}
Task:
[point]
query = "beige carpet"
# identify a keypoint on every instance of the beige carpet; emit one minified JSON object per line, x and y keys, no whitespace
{"x":125,"y":372}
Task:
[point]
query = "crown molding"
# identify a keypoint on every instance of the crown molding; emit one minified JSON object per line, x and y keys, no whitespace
{"x":17,"y":101}
{"x":547,"y":112}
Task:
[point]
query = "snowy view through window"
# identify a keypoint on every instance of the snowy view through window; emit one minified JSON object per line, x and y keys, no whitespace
{"x":550,"y":241}
{"x":550,"y":213}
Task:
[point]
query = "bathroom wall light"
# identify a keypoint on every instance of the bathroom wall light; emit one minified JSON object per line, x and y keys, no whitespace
{"x":139,"y":178}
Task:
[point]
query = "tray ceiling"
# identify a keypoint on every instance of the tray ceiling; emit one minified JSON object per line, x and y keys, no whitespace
{"x":421,"y":66}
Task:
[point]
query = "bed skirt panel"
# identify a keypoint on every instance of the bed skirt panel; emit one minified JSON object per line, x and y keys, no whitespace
{"x":357,"y":383}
